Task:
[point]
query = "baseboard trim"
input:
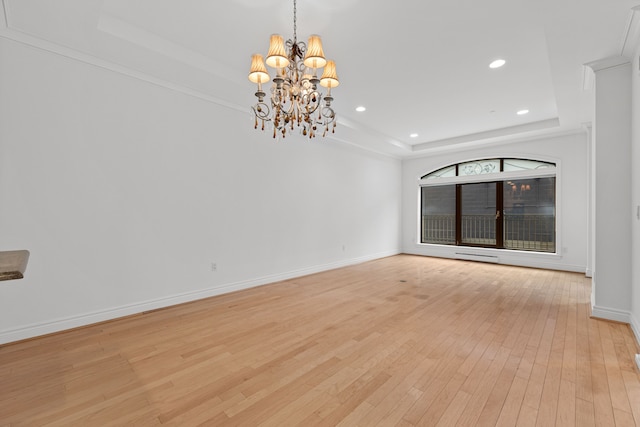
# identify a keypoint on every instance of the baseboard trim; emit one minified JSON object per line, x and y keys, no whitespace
{"x":72,"y":322}
{"x":635,"y":327}
{"x":614,"y":314}
{"x":499,"y":256}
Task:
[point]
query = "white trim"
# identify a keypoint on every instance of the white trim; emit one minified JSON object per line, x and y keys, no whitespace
{"x":530,"y":256}
{"x":590,"y":205}
{"x":75,"y":55}
{"x":542,"y":260}
{"x":71,"y":322}
{"x":611,"y":314}
{"x":149,"y":41}
{"x":632,"y":35}
{"x":588,"y":78}
{"x":635,"y":327}
{"x":495,"y":133}
{"x":4,"y":15}
{"x":465,"y":147}
{"x":490,"y":177}
{"x":606,"y":63}
{"x":54,"y":48}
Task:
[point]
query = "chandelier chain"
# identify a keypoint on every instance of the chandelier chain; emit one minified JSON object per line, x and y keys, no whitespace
{"x":295,"y":23}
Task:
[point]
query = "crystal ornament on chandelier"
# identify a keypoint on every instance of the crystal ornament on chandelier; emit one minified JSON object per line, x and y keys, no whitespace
{"x":295,"y":99}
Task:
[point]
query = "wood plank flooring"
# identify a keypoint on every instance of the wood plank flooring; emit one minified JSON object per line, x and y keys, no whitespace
{"x":401,"y":341}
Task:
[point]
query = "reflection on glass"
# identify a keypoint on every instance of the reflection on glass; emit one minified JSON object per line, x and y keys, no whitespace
{"x":523,"y":164}
{"x":447,"y":172}
{"x":529,"y":214}
{"x":478,"y":213}
{"x":438,"y":214}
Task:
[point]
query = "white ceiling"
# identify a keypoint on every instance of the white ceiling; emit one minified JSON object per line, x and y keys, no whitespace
{"x":419,"y":66}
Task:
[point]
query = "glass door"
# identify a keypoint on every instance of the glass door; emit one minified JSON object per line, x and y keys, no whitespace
{"x":479,"y":214}
{"x":530,"y":214}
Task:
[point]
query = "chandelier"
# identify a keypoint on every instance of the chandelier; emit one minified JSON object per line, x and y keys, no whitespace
{"x":295,"y":100}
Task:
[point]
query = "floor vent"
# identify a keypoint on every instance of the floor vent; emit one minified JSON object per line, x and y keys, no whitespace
{"x":477,"y":257}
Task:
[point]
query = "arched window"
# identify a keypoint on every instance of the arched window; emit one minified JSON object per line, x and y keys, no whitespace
{"x":504,"y":203}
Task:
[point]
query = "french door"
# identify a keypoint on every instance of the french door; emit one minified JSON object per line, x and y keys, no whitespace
{"x":479,"y":214}
{"x":514,"y":214}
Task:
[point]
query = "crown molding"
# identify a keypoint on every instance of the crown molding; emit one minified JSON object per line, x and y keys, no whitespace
{"x":631,"y":42}
{"x":606,"y":63}
{"x":588,"y":78}
{"x":17,"y":36}
{"x":4,"y":20}
{"x":539,"y":136}
{"x":490,"y":134}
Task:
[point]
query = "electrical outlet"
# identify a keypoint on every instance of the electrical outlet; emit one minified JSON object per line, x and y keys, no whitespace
{"x":214,"y":266}
{"x":638,"y":361}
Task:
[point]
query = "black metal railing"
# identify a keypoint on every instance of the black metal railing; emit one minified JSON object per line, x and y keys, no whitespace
{"x":439,"y":229}
{"x":528,"y":232}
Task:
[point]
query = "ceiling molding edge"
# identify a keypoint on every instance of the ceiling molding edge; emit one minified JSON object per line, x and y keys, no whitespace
{"x":152,"y":42}
{"x":57,"y":49}
{"x":4,"y":14}
{"x":367,"y":149}
{"x":491,"y":143}
{"x":350,"y":123}
{"x":588,"y":78}
{"x":38,"y":43}
{"x":631,"y":42}
{"x":606,"y":63}
{"x":494,"y":133}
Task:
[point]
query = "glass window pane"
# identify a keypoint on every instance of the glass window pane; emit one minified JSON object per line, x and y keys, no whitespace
{"x":530,"y":214}
{"x":479,"y":167}
{"x":478,"y":213}
{"x":522,"y":165}
{"x":438,"y":215}
{"x":447,"y":172}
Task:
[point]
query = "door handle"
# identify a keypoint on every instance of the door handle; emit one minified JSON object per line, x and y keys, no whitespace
{"x":497,"y":214}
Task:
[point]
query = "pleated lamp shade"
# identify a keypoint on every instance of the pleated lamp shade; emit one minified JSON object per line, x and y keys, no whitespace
{"x":329,"y":76}
{"x":315,"y":55}
{"x":277,"y":56}
{"x":258,"y":72}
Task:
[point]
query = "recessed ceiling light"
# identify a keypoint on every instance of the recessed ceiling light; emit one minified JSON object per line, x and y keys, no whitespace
{"x":414,"y":135}
{"x":497,"y":63}
{"x":360,"y":109}
{"x":522,"y":112}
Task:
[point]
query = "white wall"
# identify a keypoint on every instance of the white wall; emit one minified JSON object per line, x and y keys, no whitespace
{"x":125,"y":192}
{"x":570,"y":154}
{"x":635,"y":193}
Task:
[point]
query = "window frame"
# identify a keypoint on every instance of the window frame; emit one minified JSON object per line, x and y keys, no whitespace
{"x":553,"y":170}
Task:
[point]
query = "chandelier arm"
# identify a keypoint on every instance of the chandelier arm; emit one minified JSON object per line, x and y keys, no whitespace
{"x":308,"y":100}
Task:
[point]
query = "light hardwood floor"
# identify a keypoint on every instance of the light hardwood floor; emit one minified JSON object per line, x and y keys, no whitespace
{"x":400,"y":341}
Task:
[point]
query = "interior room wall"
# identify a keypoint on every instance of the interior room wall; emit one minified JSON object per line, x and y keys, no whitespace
{"x":635,"y":192}
{"x":131,"y":196}
{"x":570,"y":154}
